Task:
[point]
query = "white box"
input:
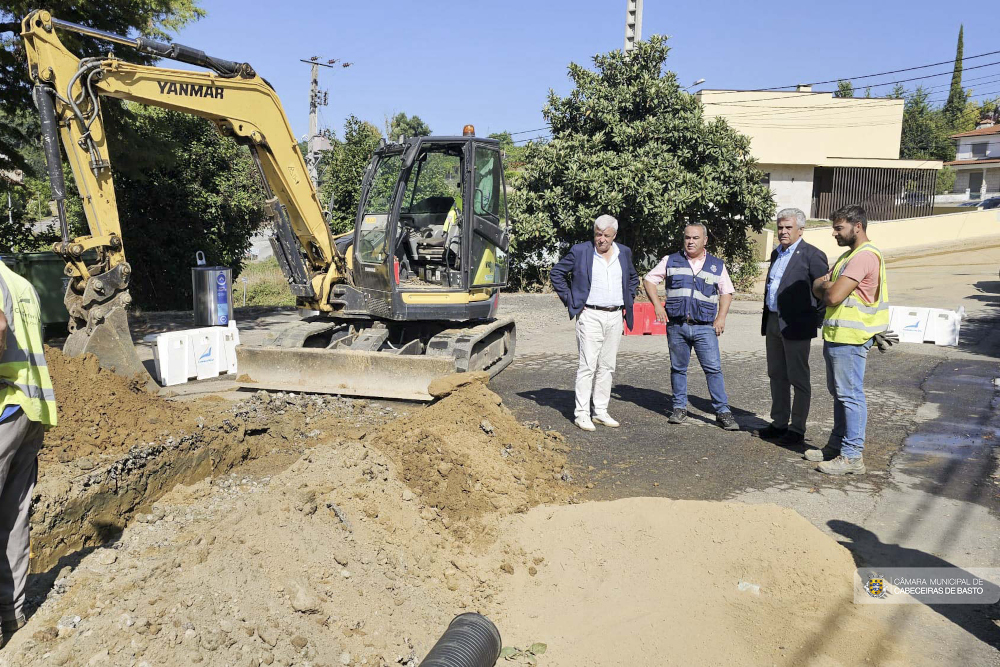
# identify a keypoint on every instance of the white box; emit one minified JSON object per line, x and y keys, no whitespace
{"x":230,"y":338}
{"x":943,"y":326}
{"x":170,"y":355}
{"x":908,"y":323}
{"x":208,"y":353}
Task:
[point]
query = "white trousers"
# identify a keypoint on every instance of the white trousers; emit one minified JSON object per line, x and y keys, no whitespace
{"x":598,"y":334}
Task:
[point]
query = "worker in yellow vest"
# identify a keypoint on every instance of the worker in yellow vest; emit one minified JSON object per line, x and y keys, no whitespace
{"x":857,"y":310}
{"x":27,"y":409}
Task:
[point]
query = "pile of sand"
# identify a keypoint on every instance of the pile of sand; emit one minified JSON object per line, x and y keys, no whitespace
{"x":104,"y":413}
{"x":467,"y":456}
{"x":652,"y":581}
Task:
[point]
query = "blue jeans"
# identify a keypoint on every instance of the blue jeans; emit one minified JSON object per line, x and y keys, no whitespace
{"x":681,"y":338}
{"x":845,"y":378}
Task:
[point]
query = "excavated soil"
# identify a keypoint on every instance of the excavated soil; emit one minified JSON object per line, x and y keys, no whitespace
{"x":382,"y":528}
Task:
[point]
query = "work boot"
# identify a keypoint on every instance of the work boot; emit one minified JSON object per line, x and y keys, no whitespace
{"x":843,"y":466}
{"x":8,"y":628}
{"x":725,"y":420}
{"x":828,"y":453}
{"x":583,"y":421}
{"x":771,"y":432}
{"x":791,"y":438}
{"x":678,"y":416}
{"x":606,"y":420}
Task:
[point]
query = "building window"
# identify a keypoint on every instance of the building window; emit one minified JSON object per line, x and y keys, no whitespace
{"x":979,"y":151}
{"x":766,"y":180}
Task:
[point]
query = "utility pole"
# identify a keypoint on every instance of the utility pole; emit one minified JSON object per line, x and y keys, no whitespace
{"x":317,"y":143}
{"x":633,"y":23}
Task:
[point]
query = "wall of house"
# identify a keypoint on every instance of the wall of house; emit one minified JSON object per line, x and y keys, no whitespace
{"x":964,"y":149}
{"x":991,"y":179}
{"x":792,"y":185}
{"x":807,"y":128}
{"x":916,"y":232}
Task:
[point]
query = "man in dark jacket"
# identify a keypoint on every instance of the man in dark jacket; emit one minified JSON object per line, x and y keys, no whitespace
{"x":597,"y":283}
{"x":791,"y":316}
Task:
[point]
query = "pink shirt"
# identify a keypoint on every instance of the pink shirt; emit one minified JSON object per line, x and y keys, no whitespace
{"x":659,"y":272}
{"x":864,"y":268}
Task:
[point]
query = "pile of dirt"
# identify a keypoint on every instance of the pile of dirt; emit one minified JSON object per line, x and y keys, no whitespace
{"x":652,"y":581}
{"x":467,"y":456}
{"x":104,"y":413}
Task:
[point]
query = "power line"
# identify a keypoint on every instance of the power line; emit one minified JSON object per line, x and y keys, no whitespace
{"x":871,"y":76}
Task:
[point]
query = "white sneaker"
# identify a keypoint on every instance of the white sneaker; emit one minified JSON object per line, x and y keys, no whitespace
{"x":606,"y":420}
{"x":585,"y":423}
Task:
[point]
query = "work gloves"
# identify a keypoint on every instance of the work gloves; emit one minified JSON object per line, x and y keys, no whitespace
{"x":885,"y":340}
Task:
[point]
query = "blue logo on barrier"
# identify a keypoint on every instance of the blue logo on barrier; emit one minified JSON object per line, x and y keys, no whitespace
{"x":207,"y":355}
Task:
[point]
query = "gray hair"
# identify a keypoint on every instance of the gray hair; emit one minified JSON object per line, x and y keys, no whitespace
{"x":704,"y":229}
{"x":792,"y":214}
{"x":605,"y":221}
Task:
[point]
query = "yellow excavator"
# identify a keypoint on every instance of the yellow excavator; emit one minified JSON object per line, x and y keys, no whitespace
{"x":410,"y":295}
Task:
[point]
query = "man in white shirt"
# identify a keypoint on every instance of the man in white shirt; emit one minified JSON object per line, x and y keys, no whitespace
{"x":597,"y":283}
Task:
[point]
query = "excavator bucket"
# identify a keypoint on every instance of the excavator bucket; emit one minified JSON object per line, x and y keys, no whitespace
{"x":385,"y":374}
{"x":111,"y":342}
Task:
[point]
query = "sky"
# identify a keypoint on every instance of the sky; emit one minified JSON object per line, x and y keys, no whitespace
{"x":492,"y":64}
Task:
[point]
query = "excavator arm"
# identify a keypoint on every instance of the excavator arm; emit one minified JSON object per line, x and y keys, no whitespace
{"x":241,"y":105}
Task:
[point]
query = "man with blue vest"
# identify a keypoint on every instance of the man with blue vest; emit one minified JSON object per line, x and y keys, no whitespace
{"x":27,"y":409}
{"x":597,"y":283}
{"x":699,"y":292}
{"x":856,"y":297}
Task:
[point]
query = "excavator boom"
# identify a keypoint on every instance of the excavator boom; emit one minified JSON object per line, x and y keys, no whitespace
{"x":410,"y":297}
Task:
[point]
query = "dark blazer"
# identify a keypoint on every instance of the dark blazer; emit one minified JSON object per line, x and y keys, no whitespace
{"x":571,"y":278}
{"x":799,"y":311}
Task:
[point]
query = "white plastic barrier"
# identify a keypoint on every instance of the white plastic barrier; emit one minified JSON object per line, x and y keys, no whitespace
{"x":908,"y":323}
{"x":194,"y":353}
{"x":944,"y":326}
{"x":926,"y":325}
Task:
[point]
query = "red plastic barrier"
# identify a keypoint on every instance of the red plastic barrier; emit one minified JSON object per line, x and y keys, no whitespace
{"x":644,"y":319}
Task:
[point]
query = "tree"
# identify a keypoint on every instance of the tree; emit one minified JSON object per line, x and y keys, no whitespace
{"x":926,"y":132}
{"x":153,"y":18}
{"x":402,"y":125}
{"x":955,"y":105}
{"x":844,"y":89}
{"x":196,"y":191}
{"x":628,"y":141}
{"x":343,"y":168}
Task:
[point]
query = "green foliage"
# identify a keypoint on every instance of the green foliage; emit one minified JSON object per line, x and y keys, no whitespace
{"x":266,"y":285}
{"x":151,"y":18}
{"x":513,"y":155}
{"x":925,"y":131}
{"x":955,"y":106}
{"x":402,"y":125}
{"x":628,"y":141}
{"x":844,"y":89}
{"x":342,"y":169}
{"x":945,"y":181}
{"x":527,"y":656}
{"x":196,"y":191}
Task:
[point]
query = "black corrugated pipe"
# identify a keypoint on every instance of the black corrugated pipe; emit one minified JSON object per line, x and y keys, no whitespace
{"x":471,"y":640}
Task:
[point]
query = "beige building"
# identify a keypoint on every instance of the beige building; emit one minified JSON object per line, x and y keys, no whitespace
{"x":819,"y":152}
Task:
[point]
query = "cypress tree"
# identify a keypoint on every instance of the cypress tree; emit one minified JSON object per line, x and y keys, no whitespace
{"x":955,"y":105}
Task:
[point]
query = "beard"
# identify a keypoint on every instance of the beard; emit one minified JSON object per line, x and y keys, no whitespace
{"x":847,"y":240}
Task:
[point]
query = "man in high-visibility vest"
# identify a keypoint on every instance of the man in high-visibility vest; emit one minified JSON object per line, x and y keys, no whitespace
{"x":27,"y":409}
{"x":857,"y":310}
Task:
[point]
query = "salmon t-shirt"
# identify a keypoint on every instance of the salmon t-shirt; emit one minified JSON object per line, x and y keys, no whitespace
{"x":864,"y":268}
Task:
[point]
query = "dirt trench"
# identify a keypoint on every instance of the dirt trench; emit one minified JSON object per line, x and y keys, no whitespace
{"x":117,"y":448}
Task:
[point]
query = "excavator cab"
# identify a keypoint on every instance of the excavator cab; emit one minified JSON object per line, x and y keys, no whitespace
{"x":431,"y":236}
